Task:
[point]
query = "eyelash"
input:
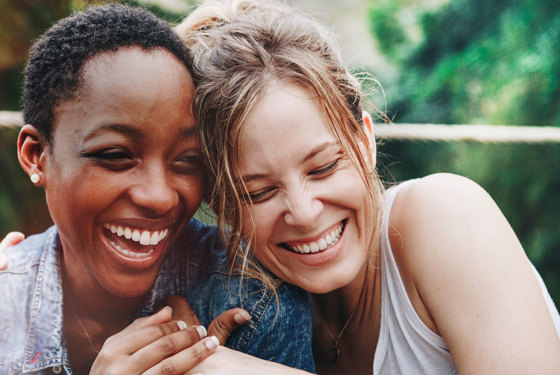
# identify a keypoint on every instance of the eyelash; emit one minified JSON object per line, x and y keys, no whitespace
{"x":255,"y":196}
{"x":108,"y":156}
{"x":321,"y":171}
{"x":326,"y":169}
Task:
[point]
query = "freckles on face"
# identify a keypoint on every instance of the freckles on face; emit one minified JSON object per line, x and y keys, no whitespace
{"x":307,"y":220}
{"x":123,"y":174}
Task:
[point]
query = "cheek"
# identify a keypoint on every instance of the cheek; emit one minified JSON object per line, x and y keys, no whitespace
{"x":192,"y":191}
{"x":257,"y":227}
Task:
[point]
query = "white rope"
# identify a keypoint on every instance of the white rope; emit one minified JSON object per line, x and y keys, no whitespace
{"x":10,"y":119}
{"x":422,"y":132}
{"x":477,"y":133}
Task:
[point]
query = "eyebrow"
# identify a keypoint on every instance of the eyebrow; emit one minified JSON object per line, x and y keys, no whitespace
{"x":316,"y":150}
{"x":135,"y":133}
{"x":124,"y":129}
{"x":189,"y":132}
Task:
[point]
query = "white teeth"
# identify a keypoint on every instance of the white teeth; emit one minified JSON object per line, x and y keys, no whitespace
{"x":327,"y":240}
{"x":131,"y":254}
{"x":144,"y":237}
{"x":154,"y":239}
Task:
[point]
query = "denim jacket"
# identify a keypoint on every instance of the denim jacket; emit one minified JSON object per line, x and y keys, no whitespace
{"x":32,"y":338}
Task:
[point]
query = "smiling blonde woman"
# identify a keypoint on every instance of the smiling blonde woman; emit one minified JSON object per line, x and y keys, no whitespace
{"x":424,"y":278}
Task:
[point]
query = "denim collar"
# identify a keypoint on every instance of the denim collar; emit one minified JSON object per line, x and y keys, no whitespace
{"x":45,"y":342}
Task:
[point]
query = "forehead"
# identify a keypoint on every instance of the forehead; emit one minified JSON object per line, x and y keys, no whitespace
{"x":287,"y":112}
{"x":133,"y":86}
{"x":135,"y":68}
{"x":285,"y":125}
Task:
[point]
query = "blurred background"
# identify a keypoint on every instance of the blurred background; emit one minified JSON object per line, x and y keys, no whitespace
{"x":438,"y":61}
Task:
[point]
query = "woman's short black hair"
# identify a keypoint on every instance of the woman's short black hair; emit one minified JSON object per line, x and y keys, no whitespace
{"x":54,"y":69}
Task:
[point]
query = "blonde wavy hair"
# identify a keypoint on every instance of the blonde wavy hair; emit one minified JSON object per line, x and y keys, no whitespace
{"x":240,"y":48}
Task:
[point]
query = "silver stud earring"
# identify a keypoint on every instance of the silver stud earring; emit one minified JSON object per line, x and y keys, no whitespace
{"x":35,"y":178}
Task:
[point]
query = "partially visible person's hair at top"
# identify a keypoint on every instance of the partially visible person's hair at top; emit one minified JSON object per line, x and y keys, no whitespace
{"x":53,"y":71}
{"x":240,"y":48}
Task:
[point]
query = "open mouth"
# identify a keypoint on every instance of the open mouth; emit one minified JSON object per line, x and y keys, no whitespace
{"x":133,"y":242}
{"x":323,"y":243}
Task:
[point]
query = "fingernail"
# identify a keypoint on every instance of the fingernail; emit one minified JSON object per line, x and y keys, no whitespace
{"x":241,"y":317}
{"x":212,"y":342}
{"x":201,"y":331}
{"x":182,"y":325}
{"x":167,"y":308}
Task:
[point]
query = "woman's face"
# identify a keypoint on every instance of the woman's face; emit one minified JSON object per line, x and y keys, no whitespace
{"x":309,"y":221}
{"x":122,"y":175}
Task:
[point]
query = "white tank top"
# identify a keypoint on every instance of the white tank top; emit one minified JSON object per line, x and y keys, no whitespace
{"x":406,"y":345}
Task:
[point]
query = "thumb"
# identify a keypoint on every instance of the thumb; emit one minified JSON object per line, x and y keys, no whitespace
{"x":227,"y":322}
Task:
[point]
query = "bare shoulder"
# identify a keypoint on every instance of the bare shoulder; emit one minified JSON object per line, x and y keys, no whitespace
{"x":444,"y":207}
{"x":441,"y":193}
{"x":465,"y":271}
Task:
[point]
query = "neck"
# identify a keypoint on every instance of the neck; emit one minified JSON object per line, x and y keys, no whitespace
{"x":90,"y":300}
{"x":350,"y":315}
{"x":91,"y":313}
{"x":340,"y":302}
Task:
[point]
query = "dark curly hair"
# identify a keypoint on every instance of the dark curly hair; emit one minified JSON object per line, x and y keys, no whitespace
{"x":54,"y":70}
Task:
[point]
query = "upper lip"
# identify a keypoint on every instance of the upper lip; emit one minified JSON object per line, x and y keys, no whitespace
{"x":313,"y":238}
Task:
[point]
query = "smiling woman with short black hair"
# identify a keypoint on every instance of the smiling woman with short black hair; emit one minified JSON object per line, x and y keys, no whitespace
{"x":112,"y":140}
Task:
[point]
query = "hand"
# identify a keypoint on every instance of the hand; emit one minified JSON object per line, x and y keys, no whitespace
{"x":11,"y":239}
{"x":154,"y":345}
{"x":221,"y":327}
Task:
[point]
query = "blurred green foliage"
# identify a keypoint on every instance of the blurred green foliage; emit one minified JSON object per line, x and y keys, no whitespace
{"x":478,"y":61}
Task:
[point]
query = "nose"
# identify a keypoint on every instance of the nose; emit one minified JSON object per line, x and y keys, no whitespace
{"x":302,"y":208}
{"x":154,"y":191}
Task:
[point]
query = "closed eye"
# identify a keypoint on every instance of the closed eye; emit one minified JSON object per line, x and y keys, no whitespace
{"x":189,"y":163}
{"x":324,"y":169}
{"x":113,"y":158}
{"x":260,"y":195}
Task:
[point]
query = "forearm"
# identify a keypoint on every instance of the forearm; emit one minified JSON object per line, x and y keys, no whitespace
{"x":240,"y":363}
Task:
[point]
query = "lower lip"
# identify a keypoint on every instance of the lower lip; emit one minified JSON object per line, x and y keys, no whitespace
{"x":133,"y":262}
{"x":322,"y":257}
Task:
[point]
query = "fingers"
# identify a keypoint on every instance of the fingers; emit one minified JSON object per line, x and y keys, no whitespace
{"x":223,"y":325}
{"x":182,"y":310}
{"x":145,"y":336}
{"x":11,"y":239}
{"x":168,"y":345}
{"x":155,"y":344}
{"x":186,"y":359}
{"x":162,"y":316}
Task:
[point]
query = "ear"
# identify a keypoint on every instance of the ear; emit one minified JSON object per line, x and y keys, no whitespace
{"x":368,"y":129}
{"x":32,"y":149}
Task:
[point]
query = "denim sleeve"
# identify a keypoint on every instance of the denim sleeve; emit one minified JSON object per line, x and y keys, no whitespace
{"x":280,"y":329}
